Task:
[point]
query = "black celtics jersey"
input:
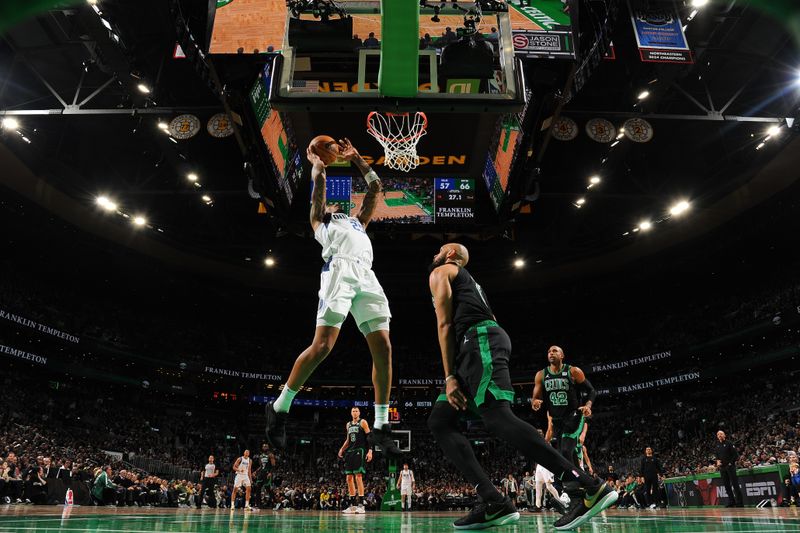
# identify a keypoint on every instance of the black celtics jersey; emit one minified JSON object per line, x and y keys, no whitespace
{"x":470,"y":305}
{"x":265,"y":464}
{"x":560,"y":394}
{"x":356,"y":436}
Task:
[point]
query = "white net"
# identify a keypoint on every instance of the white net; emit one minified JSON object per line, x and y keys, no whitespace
{"x":399,"y":134}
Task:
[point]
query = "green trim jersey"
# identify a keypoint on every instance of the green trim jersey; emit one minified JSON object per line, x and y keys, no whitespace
{"x":470,"y":305}
{"x":356,"y":436}
{"x":560,"y":394}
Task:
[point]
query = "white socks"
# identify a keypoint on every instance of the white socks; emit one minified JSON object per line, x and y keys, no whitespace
{"x":381,"y":415}
{"x":284,"y":401}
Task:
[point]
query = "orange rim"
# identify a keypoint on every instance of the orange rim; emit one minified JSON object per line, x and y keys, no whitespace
{"x":377,"y":135}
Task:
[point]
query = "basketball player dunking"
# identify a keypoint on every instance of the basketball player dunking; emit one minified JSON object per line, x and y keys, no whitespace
{"x":356,"y":453}
{"x":347,"y":285}
{"x":475,"y":355}
{"x":405,"y":482}
{"x":244,"y":474}
{"x":559,"y":385}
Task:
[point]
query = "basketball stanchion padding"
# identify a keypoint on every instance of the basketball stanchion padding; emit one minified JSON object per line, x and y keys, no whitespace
{"x":399,"y":134}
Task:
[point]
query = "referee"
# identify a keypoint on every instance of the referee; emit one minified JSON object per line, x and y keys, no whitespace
{"x":726,"y":461}
{"x":208,"y":477}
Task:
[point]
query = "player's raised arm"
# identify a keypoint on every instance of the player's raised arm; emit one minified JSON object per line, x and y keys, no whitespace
{"x":373,"y":182}
{"x":318,"y":195}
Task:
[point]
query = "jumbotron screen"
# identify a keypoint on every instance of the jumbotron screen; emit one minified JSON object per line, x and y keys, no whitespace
{"x":408,"y":200}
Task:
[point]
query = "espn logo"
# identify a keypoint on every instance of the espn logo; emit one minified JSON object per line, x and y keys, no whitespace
{"x":761,"y":488}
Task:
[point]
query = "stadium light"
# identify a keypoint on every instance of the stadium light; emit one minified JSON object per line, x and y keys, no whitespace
{"x":206,"y":198}
{"x":519,"y":263}
{"x":269,"y":261}
{"x":644,"y":94}
{"x":144,"y":89}
{"x":139,"y":221}
{"x":594,"y":180}
{"x":191,"y":176}
{"x":163,"y":125}
{"x":645,"y":225}
{"x":10,"y":123}
{"x":580,"y":201}
{"x":106,"y":204}
{"x":699,"y":3}
{"x":679,"y":208}
{"x":774,"y":131}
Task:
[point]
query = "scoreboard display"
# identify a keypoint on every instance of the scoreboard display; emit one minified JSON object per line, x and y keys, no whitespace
{"x":338,"y":190}
{"x":454,"y":199}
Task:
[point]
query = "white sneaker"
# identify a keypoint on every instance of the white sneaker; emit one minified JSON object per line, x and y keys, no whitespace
{"x":652,"y":506}
{"x":360,"y":509}
{"x":350,"y":510}
{"x":248,"y":508}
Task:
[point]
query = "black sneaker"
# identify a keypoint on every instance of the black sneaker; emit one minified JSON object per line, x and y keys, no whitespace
{"x":588,"y":506}
{"x":534,"y":509}
{"x":383,"y":438}
{"x":486,"y":515}
{"x":276,"y":427}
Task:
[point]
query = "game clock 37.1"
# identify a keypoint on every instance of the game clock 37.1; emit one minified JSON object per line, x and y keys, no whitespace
{"x":454,"y":199}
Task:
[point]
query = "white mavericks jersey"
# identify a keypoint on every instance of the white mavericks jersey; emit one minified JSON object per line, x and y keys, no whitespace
{"x":406,"y":477}
{"x":244,"y":466}
{"x":344,"y":235}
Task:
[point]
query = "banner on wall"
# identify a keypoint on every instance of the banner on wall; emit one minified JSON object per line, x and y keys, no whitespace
{"x":619,"y":365}
{"x":652,"y":383}
{"x":659,"y":32}
{"x":22,"y":354}
{"x":242,"y":374}
{"x":22,"y":321}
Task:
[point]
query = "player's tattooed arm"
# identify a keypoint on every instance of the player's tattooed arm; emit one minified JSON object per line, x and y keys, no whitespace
{"x":370,"y":203}
{"x":349,"y":153}
{"x":318,"y":195}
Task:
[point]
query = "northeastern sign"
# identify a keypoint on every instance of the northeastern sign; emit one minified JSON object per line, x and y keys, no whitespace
{"x":531,"y":43}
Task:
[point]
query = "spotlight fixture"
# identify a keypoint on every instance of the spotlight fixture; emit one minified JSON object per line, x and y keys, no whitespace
{"x":206,"y":198}
{"x":519,"y":263}
{"x":642,"y":95}
{"x":699,"y":3}
{"x":139,"y":221}
{"x":144,"y":89}
{"x":580,"y":201}
{"x":191,"y":176}
{"x":10,"y":123}
{"x":105,"y":203}
{"x":269,"y":261}
{"x":679,"y":208}
{"x":774,"y":131}
{"x":594,"y":180}
{"x":163,"y":125}
{"x":645,"y":225}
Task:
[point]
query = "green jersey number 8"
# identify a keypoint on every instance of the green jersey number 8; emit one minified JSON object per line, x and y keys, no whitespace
{"x":558,"y":399}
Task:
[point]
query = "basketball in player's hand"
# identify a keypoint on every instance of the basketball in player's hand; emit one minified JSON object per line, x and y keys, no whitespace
{"x":325,"y":147}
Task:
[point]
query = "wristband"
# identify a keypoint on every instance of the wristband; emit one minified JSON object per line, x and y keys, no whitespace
{"x":448,"y":378}
{"x":371,"y":176}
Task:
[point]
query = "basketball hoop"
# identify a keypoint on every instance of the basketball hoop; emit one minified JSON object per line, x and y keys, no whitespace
{"x":399,"y":134}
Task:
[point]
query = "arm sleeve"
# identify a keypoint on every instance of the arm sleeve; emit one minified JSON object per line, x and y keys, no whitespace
{"x":590,"y":391}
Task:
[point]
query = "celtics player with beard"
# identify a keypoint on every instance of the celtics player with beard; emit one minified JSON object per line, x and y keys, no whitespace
{"x":356,"y":453}
{"x":475,"y":356}
{"x":557,"y":386}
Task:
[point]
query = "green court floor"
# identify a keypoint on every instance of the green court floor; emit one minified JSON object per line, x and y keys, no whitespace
{"x":106,"y":520}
